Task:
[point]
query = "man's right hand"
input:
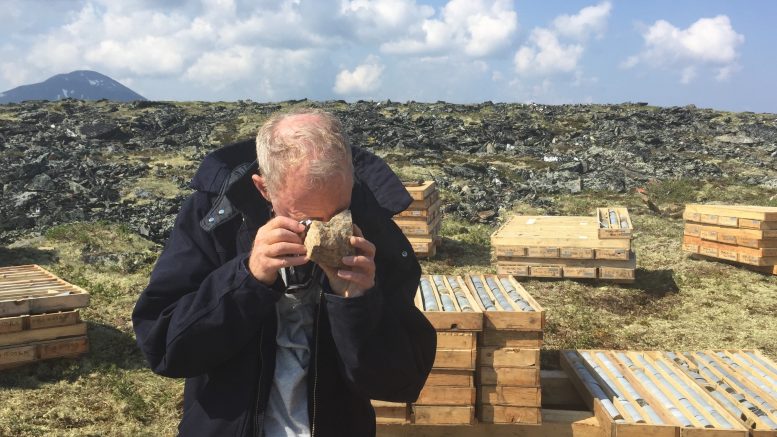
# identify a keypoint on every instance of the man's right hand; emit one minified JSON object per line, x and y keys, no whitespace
{"x":277,"y":245}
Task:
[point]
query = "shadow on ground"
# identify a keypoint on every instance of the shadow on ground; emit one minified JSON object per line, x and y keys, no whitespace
{"x":26,"y":255}
{"x":109,"y":349}
{"x":657,"y":283}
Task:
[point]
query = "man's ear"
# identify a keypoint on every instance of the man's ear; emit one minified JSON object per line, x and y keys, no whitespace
{"x":261,"y":186}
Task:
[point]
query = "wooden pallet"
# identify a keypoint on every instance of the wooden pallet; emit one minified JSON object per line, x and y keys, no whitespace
{"x":569,"y":268}
{"x":754,"y":238}
{"x":30,"y":289}
{"x":646,"y":394}
{"x":744,"y":255}
{"x":550,"y":236}
{"x":18,"y":355}
{"x":451,"y":378}
{"x":742,"y":216}
{"x":614,"y":223}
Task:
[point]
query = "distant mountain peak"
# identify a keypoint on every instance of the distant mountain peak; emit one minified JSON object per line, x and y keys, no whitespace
{"x":79,"y":84}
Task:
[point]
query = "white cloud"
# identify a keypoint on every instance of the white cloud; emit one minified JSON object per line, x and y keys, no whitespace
{"x":385,"y":19}
{"x":590,"y":20}
{"x":363,"y":79}
{"x":477,"y":28}
{"x":14,"y":74}
{"x":547,"y":55}
{"x":148,"y":55}
{"x":707,"y":42}
{"x":221,"y":68}
{"x":559,"y":48}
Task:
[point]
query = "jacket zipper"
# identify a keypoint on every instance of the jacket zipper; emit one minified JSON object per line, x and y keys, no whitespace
{"x":315,"y":366}
{"x":258,"y":426}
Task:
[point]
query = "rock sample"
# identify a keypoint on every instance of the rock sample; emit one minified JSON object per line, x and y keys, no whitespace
{"x":328,"y":242}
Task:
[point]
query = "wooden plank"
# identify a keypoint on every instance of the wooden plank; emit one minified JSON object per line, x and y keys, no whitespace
{"x":42,"y":334}
{"x":456,"y":340}
{"x":545,"y":272}
{"x":455,"y":359}
{"x":26,"y":322}
{"x":509,"y":357}
{"x":515,"y":376}
{"x":762,"y":213}
{"x":757,"y":224}
{"x":427,"y":214}
{"x":14,"y":356}
{"x":409,"y":227}
{"x":510,"y":414}
{"x":756,"y":238}
{"x":451,"y":378}
{"x":746,"y":255}
{"x":551,"y":232}
{"x":34,"y":297}
{"x":443,"y":415}
{"x":502,"y":338}
{"x":513,"y":396}
{"x":441,"y":395}
{"x":555,"y":423}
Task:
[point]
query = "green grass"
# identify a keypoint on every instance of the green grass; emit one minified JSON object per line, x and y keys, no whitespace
{"x":676,"y":303}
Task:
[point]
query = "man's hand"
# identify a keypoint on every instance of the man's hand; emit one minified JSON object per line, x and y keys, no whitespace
{"x":360,"y":277}
{"x":277,"y":245}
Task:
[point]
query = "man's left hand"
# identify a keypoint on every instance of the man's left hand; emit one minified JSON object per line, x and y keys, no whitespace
{"x":359,"y":276}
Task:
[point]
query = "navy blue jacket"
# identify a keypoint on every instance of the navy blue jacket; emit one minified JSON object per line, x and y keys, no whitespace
{"x":205,"y":318}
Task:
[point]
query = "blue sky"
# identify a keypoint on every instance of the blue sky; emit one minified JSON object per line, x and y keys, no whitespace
{"x":718,"y":54}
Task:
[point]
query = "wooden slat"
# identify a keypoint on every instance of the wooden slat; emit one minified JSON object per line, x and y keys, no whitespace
{"x":515,"y":376}
{"x":513,"y":396}
{"x":443,"y":415}
{"x":26,"y":322}
{"x":555,"y":423}
{"x":455,"y":359}
{"x":451,"y":378}
{"x":509,"y":357}
{"x":42,"y":334}
{"x":502,"y":338}
{"x":761,"y":213}
{"x":442,"y":395}
{"x":510,"y":414}
{"x":456,"y":340}
{"x":13,"y":356}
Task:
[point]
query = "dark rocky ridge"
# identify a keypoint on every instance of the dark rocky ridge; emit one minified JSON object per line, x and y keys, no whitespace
{"x":130,"y":162}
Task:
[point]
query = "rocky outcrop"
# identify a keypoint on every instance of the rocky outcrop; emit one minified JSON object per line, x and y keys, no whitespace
{"x":74,"y":161}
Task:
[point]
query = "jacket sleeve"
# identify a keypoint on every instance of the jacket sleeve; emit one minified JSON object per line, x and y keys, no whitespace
{"x":386,"y":345}
{"x":196,"y":312}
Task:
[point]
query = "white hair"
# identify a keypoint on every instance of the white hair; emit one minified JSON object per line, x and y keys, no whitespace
{"x":321,"y":146}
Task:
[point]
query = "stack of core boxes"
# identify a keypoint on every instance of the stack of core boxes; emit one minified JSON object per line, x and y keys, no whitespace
{"x":39,"y":317}
{"x":422,"y":220}
{"x":508,"y":373}
{"x":597,"y":247}
{"x":448,"y":398}
{"x":743,"y":234}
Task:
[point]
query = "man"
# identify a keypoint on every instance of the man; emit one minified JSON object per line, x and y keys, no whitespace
{"x":269,"y":345}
